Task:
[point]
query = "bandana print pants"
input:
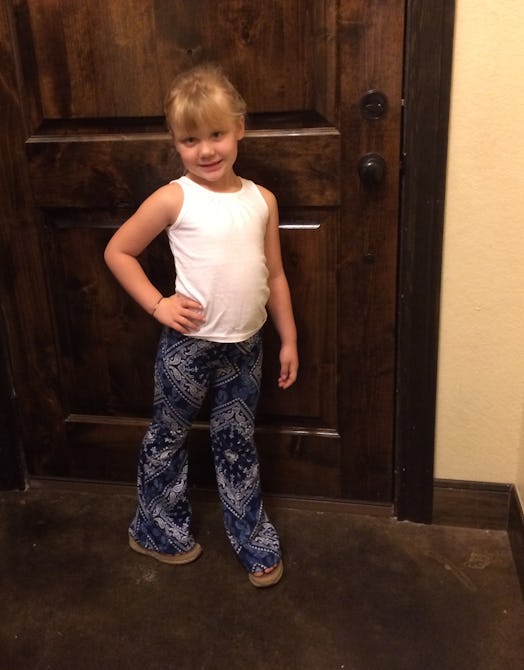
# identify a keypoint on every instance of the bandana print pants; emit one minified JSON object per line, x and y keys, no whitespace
{"x":186,"y":369}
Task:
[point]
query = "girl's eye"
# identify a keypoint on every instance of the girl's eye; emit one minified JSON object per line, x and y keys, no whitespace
{"x":188,"y":141}
{"x":217,"y":134}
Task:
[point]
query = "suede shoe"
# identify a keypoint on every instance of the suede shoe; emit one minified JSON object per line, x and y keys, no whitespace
{"x":268,"y":578}
{"x":172,"y":559}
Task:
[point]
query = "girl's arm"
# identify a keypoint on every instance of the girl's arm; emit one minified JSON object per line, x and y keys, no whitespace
{"x":279,"y":303}
{"x":152,"y":217}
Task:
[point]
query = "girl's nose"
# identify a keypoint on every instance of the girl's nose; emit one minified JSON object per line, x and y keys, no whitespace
{"x":206,"y":149}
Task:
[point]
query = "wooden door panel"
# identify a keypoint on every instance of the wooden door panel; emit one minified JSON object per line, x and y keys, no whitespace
{"x":93,"y":171}
{"x":104,"y":343}
{"x":91,"y":82}
{"x":96,"y":322}
{"x":309,"y":248}
{"x":100,"y":60}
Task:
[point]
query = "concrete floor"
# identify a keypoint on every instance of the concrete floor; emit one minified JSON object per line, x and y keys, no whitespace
{"x":359,"y":593}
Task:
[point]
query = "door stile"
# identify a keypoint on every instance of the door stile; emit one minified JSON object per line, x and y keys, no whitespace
{"x":367,"y":249}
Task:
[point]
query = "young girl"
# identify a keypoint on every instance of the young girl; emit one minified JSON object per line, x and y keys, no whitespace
{"x":223,"y":232}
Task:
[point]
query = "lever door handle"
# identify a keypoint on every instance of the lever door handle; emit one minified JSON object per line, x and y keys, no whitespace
{"x":372,"y":169}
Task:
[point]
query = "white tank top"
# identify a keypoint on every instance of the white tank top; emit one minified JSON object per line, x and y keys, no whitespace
{"x":217,"y":243}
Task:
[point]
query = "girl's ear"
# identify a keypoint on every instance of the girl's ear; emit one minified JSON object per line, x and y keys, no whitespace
{"x":171,"y":134}
{"x":173,"y":140}
{"x":241,"y":127}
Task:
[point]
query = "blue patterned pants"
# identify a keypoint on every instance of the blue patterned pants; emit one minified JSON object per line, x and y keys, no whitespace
{"x":186,"y":369}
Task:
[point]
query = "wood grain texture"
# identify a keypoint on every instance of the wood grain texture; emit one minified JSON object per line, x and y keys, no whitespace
{"x":87,"y":84}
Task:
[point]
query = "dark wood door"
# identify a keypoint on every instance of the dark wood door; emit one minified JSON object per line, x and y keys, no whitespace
{"x":84,"y":142}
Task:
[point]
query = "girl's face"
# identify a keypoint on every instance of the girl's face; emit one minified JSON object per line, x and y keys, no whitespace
{"x":209,"y":153}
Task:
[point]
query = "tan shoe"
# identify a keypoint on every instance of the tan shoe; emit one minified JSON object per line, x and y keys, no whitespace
{"x":172,"y":559}
{"x":268,"y":578}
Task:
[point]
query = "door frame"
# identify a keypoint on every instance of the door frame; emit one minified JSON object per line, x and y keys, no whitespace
{"x":427,"y":84}
{"x":427,"y":87}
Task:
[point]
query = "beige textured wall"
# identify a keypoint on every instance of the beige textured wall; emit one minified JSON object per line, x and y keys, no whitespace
{"x":480,"y":399}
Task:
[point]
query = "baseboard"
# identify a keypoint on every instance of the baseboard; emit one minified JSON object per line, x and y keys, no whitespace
{"x":471,"y":504}
{"x":516,"y":534}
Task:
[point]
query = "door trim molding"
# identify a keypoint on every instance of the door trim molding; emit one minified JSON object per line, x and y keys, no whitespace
{"x":12,"y":467}
{"x":427,"y":85}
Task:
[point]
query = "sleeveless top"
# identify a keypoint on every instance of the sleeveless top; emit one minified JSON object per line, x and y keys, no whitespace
{"x":217,"y":243}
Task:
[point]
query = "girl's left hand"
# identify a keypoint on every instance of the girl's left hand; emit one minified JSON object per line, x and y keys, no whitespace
{"x":288,"y":365}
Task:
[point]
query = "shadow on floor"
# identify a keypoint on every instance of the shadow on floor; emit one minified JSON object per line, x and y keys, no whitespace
{"x":359,"y":593}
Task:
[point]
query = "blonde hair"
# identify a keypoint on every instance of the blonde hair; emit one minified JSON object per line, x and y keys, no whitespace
{"x":202,"y":95}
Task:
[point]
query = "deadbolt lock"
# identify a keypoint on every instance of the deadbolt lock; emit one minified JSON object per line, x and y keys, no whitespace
{"x":374,"y":105}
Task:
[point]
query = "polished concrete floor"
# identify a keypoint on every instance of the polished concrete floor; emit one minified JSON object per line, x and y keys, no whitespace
{"x":359,"y":593}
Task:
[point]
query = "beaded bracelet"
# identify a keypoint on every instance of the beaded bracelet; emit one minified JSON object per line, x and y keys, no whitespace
{"x":156,"y":305}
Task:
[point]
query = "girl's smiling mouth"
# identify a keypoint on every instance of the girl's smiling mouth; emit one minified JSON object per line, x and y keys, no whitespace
{"x":210,"y":166}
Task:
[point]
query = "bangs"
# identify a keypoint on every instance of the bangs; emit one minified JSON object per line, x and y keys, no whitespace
{"x":201,"y":110}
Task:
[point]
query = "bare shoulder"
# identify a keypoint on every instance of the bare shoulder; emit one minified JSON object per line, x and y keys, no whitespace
{"x":159,"y":211}
{"x":166,"y":200}
{"x":268,"y":197}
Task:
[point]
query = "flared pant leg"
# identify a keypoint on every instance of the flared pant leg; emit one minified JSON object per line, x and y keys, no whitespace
{"x":236,"y":389}
{"x":163,"y":518}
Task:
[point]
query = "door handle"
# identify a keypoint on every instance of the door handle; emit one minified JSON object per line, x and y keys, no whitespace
{"x":372,"y":169}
